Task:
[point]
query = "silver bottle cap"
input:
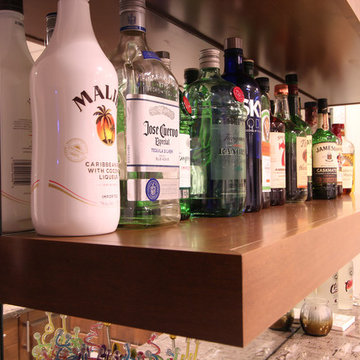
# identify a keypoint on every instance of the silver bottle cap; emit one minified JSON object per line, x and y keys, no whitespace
{"x":233,"y":43}
{"x":209,"y":58}
{"x":131,"y":4}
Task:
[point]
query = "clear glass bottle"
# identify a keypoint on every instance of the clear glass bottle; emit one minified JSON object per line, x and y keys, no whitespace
{"x":337,"y":132}
{"x":217,"y":142}
{"x":184,"y":145}
{"x":277,"y":145}
{"x":50,"y":26}
{"x":324,"y":157}
{"x":148,"y":126}
{"x":345,"y":286}
{"x":265,"y":141}
{"x":74,"y":91}
{"x":234,"y":72}
{"x":15,"y":115}
{"x":295,"y":116}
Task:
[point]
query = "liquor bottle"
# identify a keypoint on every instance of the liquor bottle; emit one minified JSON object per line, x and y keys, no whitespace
{"x":295,"y":116}
{"x":249,"y":67}
{"x":277,"y":145}
{"x":149,"y":174}
{"x":217,"y":142}
{"x":50,"y":26}
{"x":184,"y":145}
{"x":265,"y":143}
{"x":329,"y":291}
{"x":190,"y":75}
{"x":311,"y":115}
{"x":234,"y":73}
{"x":337,"y":132}
{"x":345,"y":286}
{"x":324,"y":157}
{"x":74,"y":91}
{"x":15,"y":67}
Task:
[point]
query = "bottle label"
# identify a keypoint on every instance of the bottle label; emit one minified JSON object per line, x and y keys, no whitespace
{"x":227,"y":152}
{"x":184,"y":155}
{"x":301,"y":162}
{"x":132,"y":20}
{"x":339,"y":175}
{"x":309,"y":154}
{"x":348,"y":170}
{"x":152,"y":132}
{"x":324,"y":163}
{"x":253,"y":122}
{"x":152,"y":189}
{"x":277,"y":151}
{"x":265,"y":150}
{"x":150,"y":55}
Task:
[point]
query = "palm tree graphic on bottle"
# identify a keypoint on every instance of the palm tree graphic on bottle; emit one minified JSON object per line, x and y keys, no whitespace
{"x":105,"y":125}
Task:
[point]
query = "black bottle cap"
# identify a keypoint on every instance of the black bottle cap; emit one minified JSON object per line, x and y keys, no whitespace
{"x":322,"y":105}
{"x":310,"y":104}
{"x":264,"y":83}
{"x":291,"y":78}
{"x":191,"y":75}
{"x":15,"y":5}
{"x":163,"y":54}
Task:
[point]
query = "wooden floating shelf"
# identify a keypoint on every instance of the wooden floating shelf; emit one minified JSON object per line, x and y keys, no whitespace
{"x":218,"y":279}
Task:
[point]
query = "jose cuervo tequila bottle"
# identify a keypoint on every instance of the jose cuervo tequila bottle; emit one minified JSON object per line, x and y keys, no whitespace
{"x":15,"y":67}
{"x":218,"y":166}
{"x":74,"y":91}
{"x":148,"y":131}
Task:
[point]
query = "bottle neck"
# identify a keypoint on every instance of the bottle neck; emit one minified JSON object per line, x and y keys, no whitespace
{"x":209,"y":72}
{"x":293,"y":99}
{"x":73,"y":22}
{"x":323,"y":121}
{"x":281,"y":107}
{"x":11,"y":29}
{"x":233,"y":61}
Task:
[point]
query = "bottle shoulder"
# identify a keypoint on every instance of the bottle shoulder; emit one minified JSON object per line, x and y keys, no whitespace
{"x":322,"y":136}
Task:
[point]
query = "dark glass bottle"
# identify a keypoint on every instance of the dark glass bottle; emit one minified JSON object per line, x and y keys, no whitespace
{"x":249,"y":67}
{"x":295,"y":116}
{"x":324,"y":157}
{"x":265,"y":141}
{"x":277,"y":145}
{"x":311,"y":115}
{"x":218,"y":171}
{"x":234,"y":72}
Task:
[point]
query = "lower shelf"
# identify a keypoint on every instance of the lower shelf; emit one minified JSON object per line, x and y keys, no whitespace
{"x":223,"y":279}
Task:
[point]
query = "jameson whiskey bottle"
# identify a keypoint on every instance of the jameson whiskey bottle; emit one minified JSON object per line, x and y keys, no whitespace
{"x":234,"y":73}
{"x":295,"y":115}
{"x":217,"y":142}
{"x":74,"y":92}
{"x":324,"y":156}
{"x":265,"y":140}
{"x":15,"y":151}
{"x":277,"y":145}
{"x":184,"y":145}
{"x":149,"y":121}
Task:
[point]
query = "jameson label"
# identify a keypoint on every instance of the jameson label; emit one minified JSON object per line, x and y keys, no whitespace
{"x":152,"y":132}
{"x":309,"y":154}
{"x":265,"y":151}
{"x":301,"y":162}
{"x":277,"y":150}
{"x":348,"y":170}
{"x":324,"y":163}
{"x":227,"y":152}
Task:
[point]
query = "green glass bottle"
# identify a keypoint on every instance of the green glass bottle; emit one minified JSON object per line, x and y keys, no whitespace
{"x":295,"y":115}
{"x":218,"y":162}
{"x":324,"y":157}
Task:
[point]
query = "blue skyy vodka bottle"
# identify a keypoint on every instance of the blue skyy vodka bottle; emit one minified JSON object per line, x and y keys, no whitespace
{"x":217,"y":143}
{"x":234,"y":73}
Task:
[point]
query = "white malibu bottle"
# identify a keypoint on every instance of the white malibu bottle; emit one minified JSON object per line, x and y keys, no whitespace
{"x":15,"y":119}
{"x":74,"y":92}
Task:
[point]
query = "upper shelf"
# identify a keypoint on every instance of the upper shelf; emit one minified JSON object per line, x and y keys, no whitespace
{"x":222,"y":279}
{"x":320,"y":40}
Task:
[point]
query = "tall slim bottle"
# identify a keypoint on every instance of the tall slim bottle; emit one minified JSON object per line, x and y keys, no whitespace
{"x":184,"y":145}
{"x":277,"y":145}
{"x":234,"y":73}
{"x":217,"y":142}
{"x":73,"y":87}
{"x":265,"y":140}
{"x":295,"y":115}
{"x":148,"y":129}
{"x":324,"y":157}
{"x":15,"y":67}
